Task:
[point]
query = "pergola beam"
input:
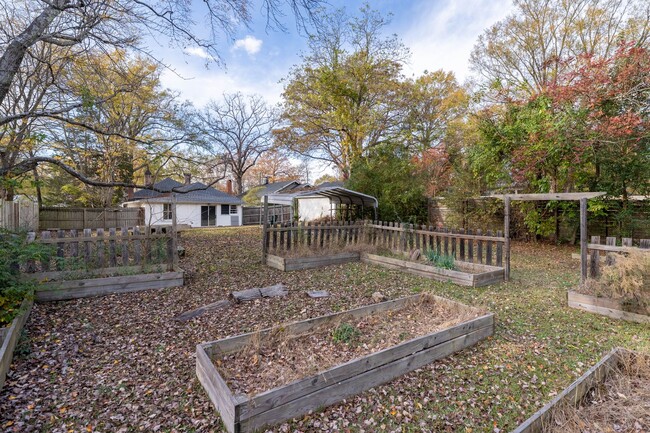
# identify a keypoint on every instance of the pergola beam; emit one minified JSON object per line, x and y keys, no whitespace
{"x":559,"y":196}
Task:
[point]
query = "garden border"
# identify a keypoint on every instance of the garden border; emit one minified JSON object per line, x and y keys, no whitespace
{"x":241,"y":414}
{"x":298,"y":263}
{"x":81,"y":288}
{"x":574,"y":392}
{"x":604,"y":306}
{"x":490,"y":274}
{"x":9,"y":337}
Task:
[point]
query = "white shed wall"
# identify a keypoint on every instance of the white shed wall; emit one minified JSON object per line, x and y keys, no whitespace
{"x":313,"y":208}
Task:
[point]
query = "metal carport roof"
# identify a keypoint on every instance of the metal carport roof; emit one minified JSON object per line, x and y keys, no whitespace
{"x":335,"y":194}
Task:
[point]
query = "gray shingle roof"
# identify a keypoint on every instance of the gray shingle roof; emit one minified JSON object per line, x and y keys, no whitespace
{"x":196,"y":192}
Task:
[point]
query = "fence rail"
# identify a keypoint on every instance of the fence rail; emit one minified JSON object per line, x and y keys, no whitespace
{"x":108,"y":250}
{"x":611,"y":246}
{"x":89,"y":218}
{"x":468,"y":246}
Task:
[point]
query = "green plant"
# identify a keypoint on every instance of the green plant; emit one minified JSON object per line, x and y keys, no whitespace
{"x":16,"y":251}
{"x":345,"y":333}
{"x":443,"y":261}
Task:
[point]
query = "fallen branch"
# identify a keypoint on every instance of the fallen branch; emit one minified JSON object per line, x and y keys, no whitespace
{"x":277,"y":290}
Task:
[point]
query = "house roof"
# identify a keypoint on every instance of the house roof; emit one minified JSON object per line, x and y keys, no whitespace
{"x":196,"y":192}
{"x":335,"y":194}
{"x":276,"y":187}
{"x":165,"y":185}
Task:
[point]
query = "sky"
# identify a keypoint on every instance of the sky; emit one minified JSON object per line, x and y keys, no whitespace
{"x":439,"y":33}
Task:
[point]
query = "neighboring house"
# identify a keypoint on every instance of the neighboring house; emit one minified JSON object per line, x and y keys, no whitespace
{"x":277,"y":187}
{"x":197,"y":205}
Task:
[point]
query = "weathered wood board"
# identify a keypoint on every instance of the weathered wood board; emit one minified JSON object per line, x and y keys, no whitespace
{"x":72,"y":289}
{"x":574,"y":393}
{"x":476,"y":275}
{"x":250,"y":413}
{"x":9,"y":338}
{"x":605,"y":306}
{"x":298,"y":263}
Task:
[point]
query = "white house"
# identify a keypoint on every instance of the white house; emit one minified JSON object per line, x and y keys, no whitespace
{"x":197,"y":205}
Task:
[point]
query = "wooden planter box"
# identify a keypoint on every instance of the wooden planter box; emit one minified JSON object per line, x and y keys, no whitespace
{"x":606,"y":306}
{"x":81,"y":288}
{"x":572,"y":395}
{"x":241,"y":413}
{"x":9,"y":338}
{"x":297,"y":263}
{"x":471,"y":274}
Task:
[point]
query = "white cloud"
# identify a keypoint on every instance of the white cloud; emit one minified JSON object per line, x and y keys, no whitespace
{"x":198,"y":52}
{"x":444,"y":33}
{"x":250,"y":44}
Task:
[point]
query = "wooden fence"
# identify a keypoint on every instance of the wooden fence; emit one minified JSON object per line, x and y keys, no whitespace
{"x":19,"y":215}
{"x":112,"y":250}
{"x":89,"y":218}
{"x":253,"y":215}
{"x":473,"y":247}
{"x":612,"y":245}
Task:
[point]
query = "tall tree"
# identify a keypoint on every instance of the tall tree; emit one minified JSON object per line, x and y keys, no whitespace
{"x":83,"y":27}
{"x":239,"y":128}
{"x":523,"y":54}
{"x":274,"y":165}
{"x":345,"y":97}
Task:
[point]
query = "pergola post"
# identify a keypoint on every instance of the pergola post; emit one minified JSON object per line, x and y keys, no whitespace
{"x":506,"y":233}
{"x":583,"y":240}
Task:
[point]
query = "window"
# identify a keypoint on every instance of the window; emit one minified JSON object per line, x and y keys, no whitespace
{"x":233,"y":209}
{"x":225,"y":209}
{"x":167,"y":211}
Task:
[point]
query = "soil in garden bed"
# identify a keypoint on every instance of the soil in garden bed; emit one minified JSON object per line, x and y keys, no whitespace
{"x":620,"y":404}
{"x":280,"y":359}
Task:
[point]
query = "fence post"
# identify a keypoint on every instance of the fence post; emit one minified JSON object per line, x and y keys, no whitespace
{"x":265,"y":224}
{"x":583,"y":240}
{"x":506,"y":233}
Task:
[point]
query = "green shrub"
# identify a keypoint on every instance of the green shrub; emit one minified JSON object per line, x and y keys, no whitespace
{"x":14,"y":252}
{"x":443,"y":261}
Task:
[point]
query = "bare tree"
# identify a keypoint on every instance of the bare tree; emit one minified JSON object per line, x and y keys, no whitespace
{"x":240,"y":129}
{"x":89,"y":26}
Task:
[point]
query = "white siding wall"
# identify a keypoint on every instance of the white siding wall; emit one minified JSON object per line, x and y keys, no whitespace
{"x":313,"y":208}
{"x":186,"y":213}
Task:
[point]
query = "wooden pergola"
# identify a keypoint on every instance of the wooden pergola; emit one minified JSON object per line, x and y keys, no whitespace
{"x":563,"y":196}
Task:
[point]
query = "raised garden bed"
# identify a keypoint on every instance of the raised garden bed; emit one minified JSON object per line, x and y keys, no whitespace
{"x":247,"y":413}
{"x":63,"y":288}
{"x":297,"y":263}
{"x":9,"y":338}
{"x":609,"y":307}
{"x":556,"y":416}
{"x":468,"y":274}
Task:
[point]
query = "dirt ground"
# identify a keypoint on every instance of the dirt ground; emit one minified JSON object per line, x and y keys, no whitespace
{"x":121,"y":363}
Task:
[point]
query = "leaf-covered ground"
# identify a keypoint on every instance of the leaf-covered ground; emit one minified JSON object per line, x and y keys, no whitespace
{"x":122,"y":364}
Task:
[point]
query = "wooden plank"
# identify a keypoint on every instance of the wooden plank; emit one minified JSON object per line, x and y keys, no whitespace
{"x":479,"y":247}
{"x":100,"y":249}
{"x":488,"y":250}
{"x":594,"y":259}
{"x":276,"y":262}
{"x":112,"y":253}
{"x":561,"y":196}
{"x":606,"y":307}
{"x":499,"y":253}
{"x":45,"y":264}
{"x":362,"y":382}
{"x":574,"y":393}
{"x":125,"y":246}
{"x":137,"y":247}
{"x":74,"y":273}
{"x":609,"y":258}
{"x":74,"y":245}
{"x":53,"y":291}
{"x":60,"y":250}
{"x":443,"y":234}
{"x":283,"y":394}
{"x":216,"y":387}
{"x":299,"y":263}
{"x":470,"y":248}
{"x":11,"y":337}
{"x":615,"y":249}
